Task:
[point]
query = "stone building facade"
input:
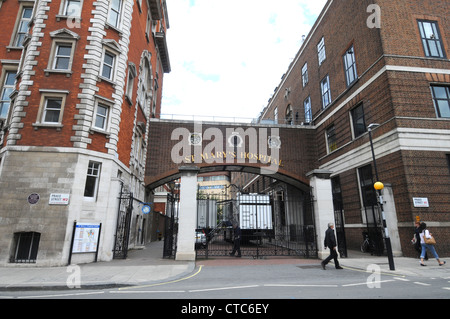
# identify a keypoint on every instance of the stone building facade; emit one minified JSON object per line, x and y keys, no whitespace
{"x":80,"y":82}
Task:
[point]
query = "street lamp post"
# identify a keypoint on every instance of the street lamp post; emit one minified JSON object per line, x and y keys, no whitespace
{"x":379,"y":186}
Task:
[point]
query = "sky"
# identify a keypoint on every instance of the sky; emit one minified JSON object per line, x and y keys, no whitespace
{"x":227,"y":56}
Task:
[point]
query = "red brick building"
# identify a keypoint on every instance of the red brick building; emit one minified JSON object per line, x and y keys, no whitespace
{"x":80,"y":81}
{"x":383,"y":62}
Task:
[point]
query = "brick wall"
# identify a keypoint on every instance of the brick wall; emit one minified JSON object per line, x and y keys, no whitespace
{"x":297,"y":153}
{"x":394,"y":88}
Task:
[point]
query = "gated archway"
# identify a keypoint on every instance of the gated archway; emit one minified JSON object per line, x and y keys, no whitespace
{"x":181,"y":149}
{"x":269,"y":225}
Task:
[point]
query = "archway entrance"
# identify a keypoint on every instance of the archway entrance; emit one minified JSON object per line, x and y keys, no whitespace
{"x":182,"y":150}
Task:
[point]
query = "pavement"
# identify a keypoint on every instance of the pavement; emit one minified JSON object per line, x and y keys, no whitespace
{"x":146,"y":266}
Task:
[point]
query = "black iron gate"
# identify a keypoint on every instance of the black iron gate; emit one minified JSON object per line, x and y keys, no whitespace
{"x":270,"y":225}
{"x":171,"y":227}
{"x":339,"y":216}
{"x":123,"y":225}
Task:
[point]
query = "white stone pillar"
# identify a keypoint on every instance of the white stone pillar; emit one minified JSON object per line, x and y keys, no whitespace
{"x":391,"y":220}
{"x":323,"y":206}
{"x":187,"y":216}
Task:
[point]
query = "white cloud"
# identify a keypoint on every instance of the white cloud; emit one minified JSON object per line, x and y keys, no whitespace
{"x":228,"y":56}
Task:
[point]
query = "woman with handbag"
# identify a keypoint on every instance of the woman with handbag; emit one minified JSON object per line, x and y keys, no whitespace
{"x":427,"y":241}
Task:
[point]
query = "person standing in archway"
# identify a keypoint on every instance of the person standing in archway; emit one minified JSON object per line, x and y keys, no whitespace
{"x":237,"y":240}
{"x":330,"y":242}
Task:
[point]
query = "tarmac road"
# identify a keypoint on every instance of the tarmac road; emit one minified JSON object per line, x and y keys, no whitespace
{"x":146,"y":276}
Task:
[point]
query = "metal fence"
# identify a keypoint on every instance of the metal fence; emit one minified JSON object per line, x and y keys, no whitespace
{"x":269,"y":226}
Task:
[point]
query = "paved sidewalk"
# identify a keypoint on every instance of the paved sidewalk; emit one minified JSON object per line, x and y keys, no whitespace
{"x":142,"y":266}
{"x":146,"y":266}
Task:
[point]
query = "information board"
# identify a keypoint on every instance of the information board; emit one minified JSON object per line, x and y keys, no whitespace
{"x":86,"y":238}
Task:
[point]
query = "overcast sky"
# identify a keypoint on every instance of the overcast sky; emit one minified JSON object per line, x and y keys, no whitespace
{"x":227,"y":56}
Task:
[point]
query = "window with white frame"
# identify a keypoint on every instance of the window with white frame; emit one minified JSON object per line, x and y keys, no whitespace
{"x":101,"y":116}
{"x":6,"y":90}
{"x":72,"y":8}
{"x":115,"y":9}
{"x":62,"y":52}
{"x":51,"y":108}
{"x":321,"y":51}
{"x":148,"y":25}
{"x":305,"y":74}
{"x":138,"y":147}
{"x":350,"y":66}
{"x":23,"y":25}
{"x":63,"y":56}
{"x":130,"y":82}
{"x":331,"y":139}
{"x":108,"y":64}
{"x":325,"y":92}
{"x":275,"y":114}
{"x":92,"y":180}
{"x":308,"y":112}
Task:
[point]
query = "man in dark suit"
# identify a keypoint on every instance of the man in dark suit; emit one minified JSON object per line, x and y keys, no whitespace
{"x":330,"y":242}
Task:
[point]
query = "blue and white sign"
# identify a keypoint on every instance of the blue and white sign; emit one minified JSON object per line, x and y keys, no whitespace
{"x":146,"y":209}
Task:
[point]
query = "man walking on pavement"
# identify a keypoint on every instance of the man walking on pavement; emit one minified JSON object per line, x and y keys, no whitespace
{"x":330,"y":242}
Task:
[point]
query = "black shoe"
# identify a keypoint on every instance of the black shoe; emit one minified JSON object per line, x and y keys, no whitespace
{"x":231,"y":254}
{"x":339,"y":267}
{"x":238,"y":256}
{"x":323,"y":265}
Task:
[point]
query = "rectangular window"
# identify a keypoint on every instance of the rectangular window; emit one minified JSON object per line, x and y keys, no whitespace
{"x":350,"y":66}
{"x":305,"y":74}
{"x":275,"y":115}
{"x":130,"y":83}
{"x":358,"y":121}
{"x":138,"y":147}
{"x":23,"y":26}
{"x":321,"y":51}
{"x":101,"y":116}
{"x":26,"y":247}
{"x":108,"y":65}
{"x":331,"y":139}
{"x":431,"y":39}
{"x":441,"y":100}
{"x":114,"y":13}
{"x":308,"y":112}
{"x":7,"y":89}
{"x":92,"y":179}
{"x":72,"y":8}
{"x":325,"y":92}
{"x":369,"y":197}
{"x":62,"y":56}
{"x":52,"y":110}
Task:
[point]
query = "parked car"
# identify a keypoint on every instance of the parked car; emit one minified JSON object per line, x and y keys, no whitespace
{"x":200,"y":238}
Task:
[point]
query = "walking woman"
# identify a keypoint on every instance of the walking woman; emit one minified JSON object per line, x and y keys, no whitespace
{"x":426,"y":233}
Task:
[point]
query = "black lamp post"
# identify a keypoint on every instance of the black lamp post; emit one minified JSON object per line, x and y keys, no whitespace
{"x":379,"y":186}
